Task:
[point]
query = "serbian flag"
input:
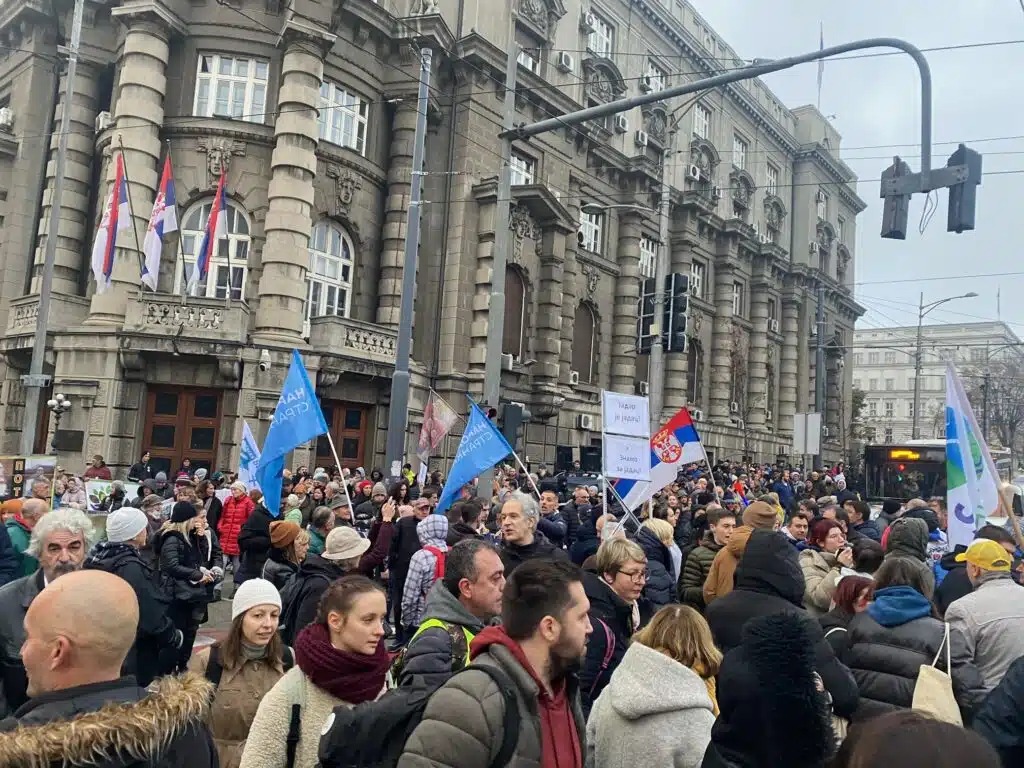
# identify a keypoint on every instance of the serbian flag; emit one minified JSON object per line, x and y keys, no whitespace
{"x":162,"y":221}
{"x":216,"y":227}
{"x":672,"y":448}
{"x":116,"y":217}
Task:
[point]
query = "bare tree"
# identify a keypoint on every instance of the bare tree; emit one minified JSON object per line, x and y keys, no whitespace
{"x":1004,"y":380}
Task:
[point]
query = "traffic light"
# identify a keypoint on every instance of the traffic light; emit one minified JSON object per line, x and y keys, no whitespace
{"x":645,"y":330}
{"x":896,"y":210}
{"x":677,"y":311}
{"x":964,"y":196}
{"x":513,"y":416}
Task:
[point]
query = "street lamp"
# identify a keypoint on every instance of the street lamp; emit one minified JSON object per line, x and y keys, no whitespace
{"x":58,"y":405}
{"x":924,"y":309}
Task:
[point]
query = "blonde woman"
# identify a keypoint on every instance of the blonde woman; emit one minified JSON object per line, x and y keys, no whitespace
{"x":668,"y":724}
{"x":655,"y":538}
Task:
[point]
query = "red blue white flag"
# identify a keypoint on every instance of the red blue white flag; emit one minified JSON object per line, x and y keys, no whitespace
{"x":116,"y":217}
{"x":216,"y":228}
{"x":162,"y":221}
{"x":673,"y":447}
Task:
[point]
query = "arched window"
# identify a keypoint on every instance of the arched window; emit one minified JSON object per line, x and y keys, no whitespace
{"x":584,"y":344}
{"x":329,"y":280}
{"x":515,"y":313}
{"x":229,"y":263}
{"x":695,"y":371}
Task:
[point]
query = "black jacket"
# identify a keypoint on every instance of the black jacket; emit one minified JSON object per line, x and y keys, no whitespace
{"x":513,"y":555}
{"x":404,"y":544}
{"x":15,"y":598}
{"x":575,"y":515}
{"x":314,"y":575}
{"x":156,"y":636}
{"x":69,"y":728}
{"x":278,"y":569}
{"x":836,"y":625}
{"x":214,"y":511}
{"x":955,"y":584}
{"x":683,"y":533}
{"x":254,"y":541}
{"x":180,"y":561}
{"x":1000,"y":721}
{"x":587,"y":540}
{"x":612,"y":622}
{"x":460,"y":531}
{"x":554,"y":527}
{"x":661,"y":587}
{"x":769,"y":581}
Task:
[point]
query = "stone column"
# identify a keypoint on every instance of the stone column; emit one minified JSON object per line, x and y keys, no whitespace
{"x":832,"y":400}
{"x":392,"y":259}
{"x":677,"y":385}
{"x":547,"y":345}
{"x":720,"y":352}
{"x":285,"y":256}
{"x":139,"y":116}
{"x":569,"y":292}
{"x":803,"y":356}
{"x":482,"y":280}
{"x":757,"y":373}
{"x":627,"y":296}
{"x":788,"y":369}
{"x":74,"y":236}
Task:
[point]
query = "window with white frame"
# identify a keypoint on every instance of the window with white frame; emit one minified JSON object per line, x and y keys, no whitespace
{"x":872,"y":385}
{"x":602,"y":40}
{"x":231,"y":86}
{"x":229,"y":261}
{"x":529,"y":58}
{"x":772,"y":309}
{"x":887,"y":435}
{"x":343,"y":117}
{"x":524,"y":169}
{"x":771,"y":185}
{"x":910,"y":409}
{"x":890,"y":358}
{"x":890,"y":385}
{"x":872,"y":358}
{"x":698,"y":271}
{"x":977,"y":355}
{"x":840,"y":224}
{"x":872,"y":408}
{"x":648,"y":256}
{"x":856,"y":383}
{"x":591,"y":231}
{"x":858,"y":358}
{"x":822,"y":205}
{"x":737,"y":299}
{"x":701,"y":121}
{"x":657,"y":77}
{"x":739,"y":151}
{"x":889,"y":408}
{"x":329,"y":280}
{"x":911,"y":381}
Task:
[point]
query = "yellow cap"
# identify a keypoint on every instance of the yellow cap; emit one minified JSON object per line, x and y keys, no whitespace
{"x":987,"y":555}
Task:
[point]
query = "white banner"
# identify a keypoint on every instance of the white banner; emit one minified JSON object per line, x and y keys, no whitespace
{"x":627,"y":458}
{"x":627,"y":415}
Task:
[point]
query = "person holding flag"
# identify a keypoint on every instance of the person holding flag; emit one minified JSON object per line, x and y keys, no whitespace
{"x":162,"y":221}
{"x":117,"y":217}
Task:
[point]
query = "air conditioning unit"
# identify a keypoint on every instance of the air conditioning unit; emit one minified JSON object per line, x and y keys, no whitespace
{"x":643,"y":388}
{"x":621,"y":124}
{"x":812,"y":247}
{"x":696,"y":414}
{"x":6,"y":118}
{"x":646,"y":84}
{"x":585,"y":422}
{"x":734,"y":407}
{"x":693,"y":173}
{"x":103,"y":121}
{"x":768,"y":415}
{"x":640,"y":139}
{"x":588,"y":21}
{"x":773,"y":326}
{"x":565,"y":62}
{"x":820,"y":197}
{"x":507,"y":362}
{"x":574,"y":378}
{"x":716,"y":193}
{"x":824,"y":431}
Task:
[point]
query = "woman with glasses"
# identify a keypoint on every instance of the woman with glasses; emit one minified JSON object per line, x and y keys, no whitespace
{"x":617,"y":610}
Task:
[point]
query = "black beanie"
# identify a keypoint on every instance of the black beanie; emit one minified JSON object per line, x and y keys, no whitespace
{"x":183,"y":511}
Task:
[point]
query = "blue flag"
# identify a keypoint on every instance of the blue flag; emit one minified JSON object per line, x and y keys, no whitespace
{"x":482,"y":447}
{"x":297,"y":420}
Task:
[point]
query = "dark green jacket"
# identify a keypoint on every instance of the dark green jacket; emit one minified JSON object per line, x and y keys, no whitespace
{"x":695,"y":572}
{"x":20,"y":536}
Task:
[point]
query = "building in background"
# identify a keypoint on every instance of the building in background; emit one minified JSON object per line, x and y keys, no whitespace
{"x":309,"y":109}
{"x":884,"y":369}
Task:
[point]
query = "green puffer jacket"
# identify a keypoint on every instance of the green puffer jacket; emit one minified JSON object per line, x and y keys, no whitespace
{"x":695,"y":572}
{"x":462,"y":724}
{"x":20,"y":537}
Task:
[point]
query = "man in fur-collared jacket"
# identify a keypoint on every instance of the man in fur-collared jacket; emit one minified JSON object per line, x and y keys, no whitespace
{"x":81,"y":712}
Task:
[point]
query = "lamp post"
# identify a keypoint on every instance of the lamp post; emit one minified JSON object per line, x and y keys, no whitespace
{"x":923,"y":310}
{"x":58,"y":405}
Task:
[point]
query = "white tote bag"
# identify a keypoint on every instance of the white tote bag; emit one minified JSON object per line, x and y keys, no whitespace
{"x":933,"y":693}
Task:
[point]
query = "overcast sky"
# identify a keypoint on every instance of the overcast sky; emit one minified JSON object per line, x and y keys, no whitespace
{"x":977,"y":95}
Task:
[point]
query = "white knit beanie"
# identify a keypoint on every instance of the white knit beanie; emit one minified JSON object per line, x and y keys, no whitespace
{"x":252,"y":593}
{"x":125,"y":524}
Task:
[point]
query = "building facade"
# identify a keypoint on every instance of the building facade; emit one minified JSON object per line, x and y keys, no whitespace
{"x":309,"y":110}
{"x":884,"y":368}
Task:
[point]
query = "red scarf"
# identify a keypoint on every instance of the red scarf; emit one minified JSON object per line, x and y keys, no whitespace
{"x":351,"y":677}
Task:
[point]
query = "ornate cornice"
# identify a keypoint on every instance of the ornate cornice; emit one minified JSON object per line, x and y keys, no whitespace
{"x":540,"y":16}
{"x":838,"y":172}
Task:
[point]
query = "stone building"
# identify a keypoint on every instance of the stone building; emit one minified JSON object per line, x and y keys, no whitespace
{"x":309,"y":108}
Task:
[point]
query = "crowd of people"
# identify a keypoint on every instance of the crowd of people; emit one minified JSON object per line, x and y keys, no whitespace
{"x":745,"y":617}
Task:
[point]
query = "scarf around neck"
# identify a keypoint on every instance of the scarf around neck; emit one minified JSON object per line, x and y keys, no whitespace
{"x":352,"y":677}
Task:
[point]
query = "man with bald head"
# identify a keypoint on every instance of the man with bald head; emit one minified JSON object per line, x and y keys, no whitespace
{"x":74,"y":671}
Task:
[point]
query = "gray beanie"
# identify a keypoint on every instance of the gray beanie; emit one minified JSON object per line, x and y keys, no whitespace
{"x":125,"y":524}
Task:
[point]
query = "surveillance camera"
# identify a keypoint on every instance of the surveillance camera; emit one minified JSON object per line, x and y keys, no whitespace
{"x":265,"y":360}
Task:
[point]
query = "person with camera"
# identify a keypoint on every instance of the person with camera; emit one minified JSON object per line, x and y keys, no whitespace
{"x":822,"y":563}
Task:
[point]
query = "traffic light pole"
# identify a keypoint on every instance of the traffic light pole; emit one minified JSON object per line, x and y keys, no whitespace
{"x":656,"y":363}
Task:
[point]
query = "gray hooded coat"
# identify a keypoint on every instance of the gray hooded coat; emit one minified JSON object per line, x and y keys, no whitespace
{"x":908,"y":539}
{"x":433,"y":533}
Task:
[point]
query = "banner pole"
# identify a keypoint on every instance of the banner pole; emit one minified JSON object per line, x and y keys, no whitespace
{"x":1014,"y":522}
{"x":337,"y":463}
{"x":628,"y":513}
{"x":526,"y":472}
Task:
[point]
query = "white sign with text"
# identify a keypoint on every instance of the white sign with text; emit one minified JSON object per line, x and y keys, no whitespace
{"x":626,"y":415}
{"x":627,"y":458}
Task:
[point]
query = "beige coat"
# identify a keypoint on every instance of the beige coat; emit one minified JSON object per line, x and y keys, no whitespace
{"x":235,"y":703}
{"x":821,"y":572}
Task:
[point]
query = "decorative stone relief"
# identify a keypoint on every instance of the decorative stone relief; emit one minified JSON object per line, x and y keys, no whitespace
{"x":522,"y":226}
{"x":422,"y":7}
{"x":656,"y":122}
{"x":170,"y":315}
{"x":346,"y":183}
{"x":602,"y":81}
{"x":696,"y":320}
{"x":219,"y":152}
{"x":592,"y":277}
{"x":742,"y":187}
{"x":25,"y":315}
{"x":363,"y":340}
{"x":774,"y":213}
{"x":535,"y":12}
{"x":825,"y":235}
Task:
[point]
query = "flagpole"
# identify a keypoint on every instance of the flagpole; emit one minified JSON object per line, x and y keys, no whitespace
{"x":337,"y":463}
{"x":178,"y":248}
{"x":131,"y":211}
{"x":526,"y":472}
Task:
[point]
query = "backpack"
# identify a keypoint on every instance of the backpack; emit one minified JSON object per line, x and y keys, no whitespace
{"x":373,"y":734}
{"x":439,"y":559}
{"x":460,"y":639}
{"x":292,"y":594}
{"x":214,"y":671}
